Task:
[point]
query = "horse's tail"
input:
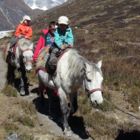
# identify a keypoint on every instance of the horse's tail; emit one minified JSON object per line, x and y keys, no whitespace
{"x":5,"y":51}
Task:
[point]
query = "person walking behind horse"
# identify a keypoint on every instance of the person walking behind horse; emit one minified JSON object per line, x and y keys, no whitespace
{"x":63,"y":39}
{"x":24,"y":29}
{"x":45,"y":40}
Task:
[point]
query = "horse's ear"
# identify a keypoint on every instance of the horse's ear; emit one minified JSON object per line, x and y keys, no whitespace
{"x":99,"y":64}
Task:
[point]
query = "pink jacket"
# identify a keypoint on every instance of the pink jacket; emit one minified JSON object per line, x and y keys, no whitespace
{"x":40,"y":44}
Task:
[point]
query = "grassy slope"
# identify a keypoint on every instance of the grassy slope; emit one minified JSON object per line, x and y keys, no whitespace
{"x":107,"y":30}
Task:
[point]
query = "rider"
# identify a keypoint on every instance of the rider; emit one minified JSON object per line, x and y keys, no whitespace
{"x":63,"y":35}
{"x":23,"y":30}
{"x":45,"y":40}
{"x":63,"y":38}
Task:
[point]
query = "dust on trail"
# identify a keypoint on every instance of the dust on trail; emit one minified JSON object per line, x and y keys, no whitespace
{"x":49,"y":128}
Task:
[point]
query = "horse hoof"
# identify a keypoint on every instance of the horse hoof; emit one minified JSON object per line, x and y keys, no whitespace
{"x":68,"y":133}
{"x":22,"y":93}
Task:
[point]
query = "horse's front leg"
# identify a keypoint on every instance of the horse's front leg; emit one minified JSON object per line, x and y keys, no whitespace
{"x":23,"y":83}
{"x":65,"y":111}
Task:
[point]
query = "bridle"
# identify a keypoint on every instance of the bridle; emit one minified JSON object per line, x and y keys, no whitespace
{"x":93,"y":90}
{"x":90,"y":91}
{"x":29,"y":61}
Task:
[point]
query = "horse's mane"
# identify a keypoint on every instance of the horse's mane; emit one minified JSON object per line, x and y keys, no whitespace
{"x":76,"y":64}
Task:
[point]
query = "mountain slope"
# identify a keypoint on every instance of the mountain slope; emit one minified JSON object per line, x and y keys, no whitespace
{"x":107,"y":30}
{"x":11,"y":12}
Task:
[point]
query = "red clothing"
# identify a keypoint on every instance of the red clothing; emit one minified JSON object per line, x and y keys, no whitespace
{"x":40,"y":44}
{"x":23,"y":30}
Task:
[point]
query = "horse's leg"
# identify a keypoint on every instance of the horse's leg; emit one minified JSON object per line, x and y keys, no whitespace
{"x":43,"y":77}
{"x":65,"y":111}
{"x":23,"y":83}
{"x":40,"y":86}
{"x":73,"y":101}
{"x":10,"y":74}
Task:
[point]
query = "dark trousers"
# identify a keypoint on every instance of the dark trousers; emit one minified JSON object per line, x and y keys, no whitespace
{"x":13,"y":41}
{"x":52,"y":60}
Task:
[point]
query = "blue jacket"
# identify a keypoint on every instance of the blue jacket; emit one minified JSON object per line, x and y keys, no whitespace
{"x":63,"y":37}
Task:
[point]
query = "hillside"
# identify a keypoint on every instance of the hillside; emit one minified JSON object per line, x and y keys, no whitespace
{"x":107,"y":30}
{"x":11,"y":12}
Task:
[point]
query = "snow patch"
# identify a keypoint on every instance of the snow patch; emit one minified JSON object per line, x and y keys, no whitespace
{"x":43,"y":4}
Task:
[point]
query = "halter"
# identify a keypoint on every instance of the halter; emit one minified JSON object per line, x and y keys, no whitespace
{"x":29,"y":61}
{"x":93,"y":90}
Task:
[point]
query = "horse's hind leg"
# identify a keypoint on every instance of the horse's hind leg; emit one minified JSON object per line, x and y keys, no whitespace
{"x":74,"y":105}
{"x":65,"y":111}
{"x":41,"y":91}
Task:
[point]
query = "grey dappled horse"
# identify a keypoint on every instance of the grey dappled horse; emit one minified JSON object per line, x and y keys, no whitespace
{"x":73,"y":71}
{"x":20,"y":59}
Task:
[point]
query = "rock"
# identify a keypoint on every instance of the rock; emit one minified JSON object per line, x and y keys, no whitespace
{"x":13,"y":136}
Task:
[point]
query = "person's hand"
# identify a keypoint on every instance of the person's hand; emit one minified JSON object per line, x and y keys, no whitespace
{"x":20,"y":36}
{"x":63,"y":47}
{"x":26,"y":37}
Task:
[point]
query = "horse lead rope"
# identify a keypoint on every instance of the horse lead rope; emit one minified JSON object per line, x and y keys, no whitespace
{"x":128,"y":113}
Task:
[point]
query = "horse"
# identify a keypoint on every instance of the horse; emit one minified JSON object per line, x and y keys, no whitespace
{"x":73,"y":71}
{"x":20,"y":59}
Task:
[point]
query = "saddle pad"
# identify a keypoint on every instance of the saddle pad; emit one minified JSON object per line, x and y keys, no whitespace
{"x":42,"y":58}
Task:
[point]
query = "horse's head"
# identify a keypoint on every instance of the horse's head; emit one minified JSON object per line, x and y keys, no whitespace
{"x":93,"y":82}
{"x":26,"y":47}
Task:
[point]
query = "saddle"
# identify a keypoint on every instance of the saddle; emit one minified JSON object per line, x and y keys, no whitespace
{"x":47,"y":60}
{"x":51,"y":62}
{"x":54,"y":56}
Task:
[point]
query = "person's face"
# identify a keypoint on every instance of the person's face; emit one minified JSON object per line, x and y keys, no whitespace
{"x":27,"y":22}
{"x":52,"y":28}
{"x":63,"y":27}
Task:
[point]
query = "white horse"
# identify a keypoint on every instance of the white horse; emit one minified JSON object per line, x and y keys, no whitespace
{"x":73,"y":71}
{"x":20,"y":59}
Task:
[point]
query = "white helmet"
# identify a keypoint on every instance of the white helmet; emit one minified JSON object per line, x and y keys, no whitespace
{"x":63,"y":20}
{"x":26,"y":17}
